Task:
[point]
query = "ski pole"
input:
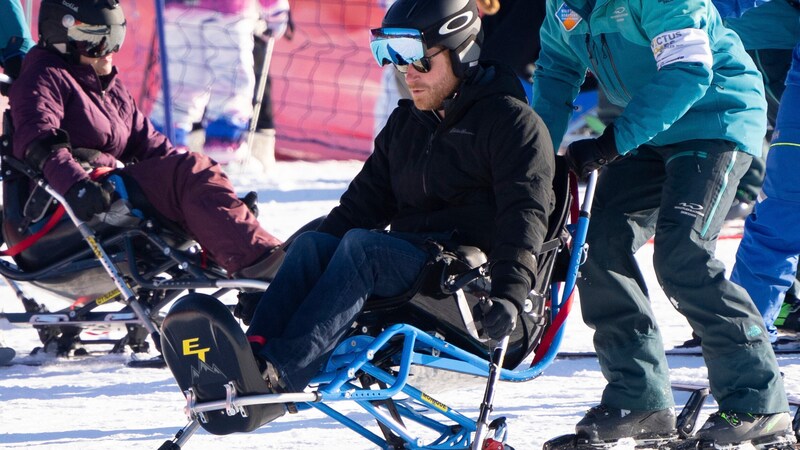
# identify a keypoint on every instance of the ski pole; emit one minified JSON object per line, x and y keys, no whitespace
{"x":166,"y":93}
{"x":261,"y":87}
{"x":495,"y":366}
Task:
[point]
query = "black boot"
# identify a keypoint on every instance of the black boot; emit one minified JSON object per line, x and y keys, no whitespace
{"x":604,"y":424}
{"x":762,"y":430}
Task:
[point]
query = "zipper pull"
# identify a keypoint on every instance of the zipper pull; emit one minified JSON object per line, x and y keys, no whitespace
{"x":604,"y":45}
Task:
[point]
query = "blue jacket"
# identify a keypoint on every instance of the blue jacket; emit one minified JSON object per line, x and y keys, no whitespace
{"x":770,"y":25}
{"x":15,"y":38}
{"x":676,"y":70}
{"x":735,"y":8}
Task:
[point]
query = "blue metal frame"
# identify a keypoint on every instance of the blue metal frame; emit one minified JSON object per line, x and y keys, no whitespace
{"x":166,"y":92}
{"x":356,"y":354}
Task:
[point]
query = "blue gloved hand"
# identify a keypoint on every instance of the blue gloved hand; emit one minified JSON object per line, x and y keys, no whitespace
{"x":587,"y":155}
{"x":499,"y":317}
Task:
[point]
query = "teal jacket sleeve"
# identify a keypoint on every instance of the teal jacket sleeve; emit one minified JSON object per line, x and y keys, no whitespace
{"x":679,"y":35}
{"x":15,"y":38}
{"x":557,"y":78}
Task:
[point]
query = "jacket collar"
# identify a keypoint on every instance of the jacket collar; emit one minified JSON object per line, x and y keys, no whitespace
{"x":83,"y":74}
{"x":585,"y":7}
{"x":89,"y":80}
{"x":486,"y":81}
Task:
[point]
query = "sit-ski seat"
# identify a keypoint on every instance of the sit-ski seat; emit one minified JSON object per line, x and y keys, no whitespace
{"x":83,"y":276}
{"x":436,"y":305}
{"x":433,"y":325}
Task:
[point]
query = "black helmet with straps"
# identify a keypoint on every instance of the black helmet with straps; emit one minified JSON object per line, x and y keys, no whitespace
{"x":452,"y":24}
{"x":92,"y":28}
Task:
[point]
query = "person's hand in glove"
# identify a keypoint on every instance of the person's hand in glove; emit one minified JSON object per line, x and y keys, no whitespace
{"x":499,"y":317}
{"x":94,"y":158}
{"x":587,"y":155}
{"x":12,"y":66}
{"x":87,"y":198}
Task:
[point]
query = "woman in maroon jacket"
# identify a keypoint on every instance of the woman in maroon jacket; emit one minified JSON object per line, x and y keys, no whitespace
{"x":68,"y":97}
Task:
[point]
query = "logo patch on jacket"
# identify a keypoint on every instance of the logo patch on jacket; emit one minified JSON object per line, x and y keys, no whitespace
{"x":569,"y":19}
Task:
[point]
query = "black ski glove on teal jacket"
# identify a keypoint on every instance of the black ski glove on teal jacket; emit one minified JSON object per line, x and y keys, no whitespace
{"x":587,"y":155}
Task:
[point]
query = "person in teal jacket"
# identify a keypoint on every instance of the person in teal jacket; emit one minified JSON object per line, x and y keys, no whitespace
{"x":15,"y":38}
{"x":693,"y":114}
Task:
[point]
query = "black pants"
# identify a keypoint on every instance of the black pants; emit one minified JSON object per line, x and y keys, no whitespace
{"x":679,"y":193}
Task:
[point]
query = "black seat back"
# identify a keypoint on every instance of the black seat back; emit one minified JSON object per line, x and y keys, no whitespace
{"x":452,"y":315}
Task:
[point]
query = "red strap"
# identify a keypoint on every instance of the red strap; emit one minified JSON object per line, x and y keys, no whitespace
{"x":30,"y":240}
{"x":550,"y":334}
{"x":98,"y":172}
{"x":20,"y":246}
{"x":575,"y":211}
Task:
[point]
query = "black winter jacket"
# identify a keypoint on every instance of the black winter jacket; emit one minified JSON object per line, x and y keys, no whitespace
{"x":483,"y":173}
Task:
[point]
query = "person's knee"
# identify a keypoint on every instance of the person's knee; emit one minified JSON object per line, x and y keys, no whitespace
{"x":355,"y":240}
{"x":676,"y":267}
{"x":309,"y":241}
{"x":198,"y":162}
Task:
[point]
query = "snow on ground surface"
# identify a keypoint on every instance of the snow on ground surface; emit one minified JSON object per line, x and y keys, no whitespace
{"x":98,"y":403}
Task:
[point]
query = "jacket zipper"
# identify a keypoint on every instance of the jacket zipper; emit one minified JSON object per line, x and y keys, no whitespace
{"x":428,"y":149}
{"x":596,"y":68}
{"x":607,"y":51}
{"x":425,"y":165}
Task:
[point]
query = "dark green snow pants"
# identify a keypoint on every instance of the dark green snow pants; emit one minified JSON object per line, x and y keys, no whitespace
{"x":681,"y":194}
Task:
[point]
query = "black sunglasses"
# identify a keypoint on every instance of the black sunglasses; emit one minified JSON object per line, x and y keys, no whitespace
{"x":422,"y":65}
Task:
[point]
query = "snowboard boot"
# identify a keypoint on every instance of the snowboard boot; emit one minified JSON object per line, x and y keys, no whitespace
{"x":789,"y":317}
{"x":760,"y":430}
{"x":603,"y":425}
{"x":265,"y":267}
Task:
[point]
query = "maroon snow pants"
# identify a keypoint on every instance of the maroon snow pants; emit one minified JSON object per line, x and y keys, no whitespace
{"x":191,"y":190}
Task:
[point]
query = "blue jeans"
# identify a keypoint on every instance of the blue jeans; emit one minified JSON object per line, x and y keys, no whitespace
{"x":319,"y":291}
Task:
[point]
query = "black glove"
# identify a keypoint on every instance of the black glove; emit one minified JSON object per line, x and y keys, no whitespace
{"x":499,"y":317}
{"x":87,"y":198}
{"x":587,"y":155}
{"x":12,"y":66}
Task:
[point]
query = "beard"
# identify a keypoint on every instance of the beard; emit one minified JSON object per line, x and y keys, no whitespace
{"x":431,"y":96}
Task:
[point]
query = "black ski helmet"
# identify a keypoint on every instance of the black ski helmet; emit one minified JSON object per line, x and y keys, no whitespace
{"x":92,"y":28}
{"x":452,"y":24}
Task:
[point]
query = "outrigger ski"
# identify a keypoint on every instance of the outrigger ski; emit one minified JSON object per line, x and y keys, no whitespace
{"x":208,"y":353}
{"x":685,"y":424}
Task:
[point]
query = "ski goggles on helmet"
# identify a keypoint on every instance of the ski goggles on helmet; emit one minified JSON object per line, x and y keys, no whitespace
{"x":95,"y":41}
{"x":401,"y":47}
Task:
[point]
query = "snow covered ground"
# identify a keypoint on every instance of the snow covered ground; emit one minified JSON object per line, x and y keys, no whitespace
{"x":98,"y":403}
